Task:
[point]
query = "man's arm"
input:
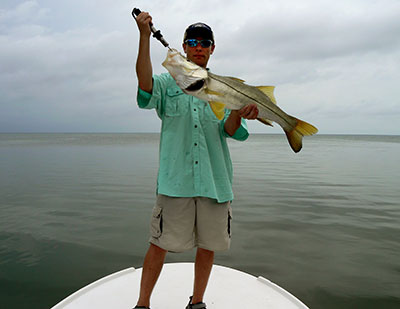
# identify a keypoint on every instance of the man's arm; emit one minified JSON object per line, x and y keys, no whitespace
{"x":235,"y":118}
{"x":144,"y":70}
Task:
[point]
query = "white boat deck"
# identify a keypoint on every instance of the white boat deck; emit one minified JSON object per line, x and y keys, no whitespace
{"x":227,"y":288}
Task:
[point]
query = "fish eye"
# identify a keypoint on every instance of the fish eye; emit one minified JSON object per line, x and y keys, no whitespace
{"x":196,"y":85}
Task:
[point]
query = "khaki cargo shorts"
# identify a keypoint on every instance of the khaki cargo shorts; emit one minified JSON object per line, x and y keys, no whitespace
{"x":180,"y":223}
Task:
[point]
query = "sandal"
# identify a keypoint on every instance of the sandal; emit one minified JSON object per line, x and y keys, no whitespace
{"x":195,"y":306}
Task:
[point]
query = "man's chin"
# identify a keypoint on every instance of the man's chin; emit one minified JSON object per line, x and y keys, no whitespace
{"x":200,"y":61}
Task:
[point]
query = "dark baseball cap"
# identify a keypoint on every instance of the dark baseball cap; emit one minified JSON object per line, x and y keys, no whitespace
{"x":199,"y":30}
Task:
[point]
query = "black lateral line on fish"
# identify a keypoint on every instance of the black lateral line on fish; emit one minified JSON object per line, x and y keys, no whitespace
{"x":213,"y":76}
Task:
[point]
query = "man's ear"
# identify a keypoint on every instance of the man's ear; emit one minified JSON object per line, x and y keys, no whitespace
{"x":184,"y":47}
{"x":212,"y":49}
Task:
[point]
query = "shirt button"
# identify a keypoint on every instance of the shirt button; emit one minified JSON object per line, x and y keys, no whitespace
{"x":195,"y":125}
{"x":195,"y":144}
{"x":195,"y":109}
{"x":197,"y":162}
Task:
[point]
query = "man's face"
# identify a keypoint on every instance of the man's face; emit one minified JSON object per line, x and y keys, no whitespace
{"x":198,"y":54}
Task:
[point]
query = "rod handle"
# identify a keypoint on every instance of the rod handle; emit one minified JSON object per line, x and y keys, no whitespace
{"x":156,"y":33}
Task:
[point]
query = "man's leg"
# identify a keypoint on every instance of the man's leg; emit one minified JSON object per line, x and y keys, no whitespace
{"x":213,"y":232}
{"x":152,"y":266}
{"x":202,"y":270}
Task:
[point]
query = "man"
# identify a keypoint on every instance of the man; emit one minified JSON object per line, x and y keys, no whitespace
{"x":194,"y":185}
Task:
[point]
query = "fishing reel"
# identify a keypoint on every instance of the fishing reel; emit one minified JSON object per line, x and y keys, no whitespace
{"x":156,"y":33}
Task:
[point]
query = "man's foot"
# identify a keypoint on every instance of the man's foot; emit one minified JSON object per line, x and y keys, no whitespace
{"x":195,"y":306}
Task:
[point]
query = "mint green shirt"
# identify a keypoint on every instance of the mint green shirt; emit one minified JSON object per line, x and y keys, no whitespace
{"x":194,"y":155}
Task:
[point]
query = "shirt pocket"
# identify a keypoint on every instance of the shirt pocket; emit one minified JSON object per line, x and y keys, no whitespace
{"x":176,"y":104}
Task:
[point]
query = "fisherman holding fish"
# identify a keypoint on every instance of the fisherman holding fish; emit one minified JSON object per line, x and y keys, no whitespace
{"x":194,"y":185}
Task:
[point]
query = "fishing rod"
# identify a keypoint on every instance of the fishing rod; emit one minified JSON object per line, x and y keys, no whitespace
{"x":156,"y":33}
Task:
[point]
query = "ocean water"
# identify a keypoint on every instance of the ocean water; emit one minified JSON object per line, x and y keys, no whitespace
{"x":324,"y":223}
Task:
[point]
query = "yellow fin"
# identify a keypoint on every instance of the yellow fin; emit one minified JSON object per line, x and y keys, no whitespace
{"x":265,"y":121}
{"x":209,"y":91}
{"x":295,"y":136}
{"x":269,"y":91}
{"x":218,"y":109}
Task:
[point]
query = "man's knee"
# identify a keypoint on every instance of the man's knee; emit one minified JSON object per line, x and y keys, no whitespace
{"x":157,"y":249}
{"x":205,"y":251}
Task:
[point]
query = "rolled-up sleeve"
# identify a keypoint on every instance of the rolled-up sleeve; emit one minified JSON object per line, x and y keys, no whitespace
{"x":241,"y":133}
{"x":154,"y":100}
{"x":143,"y":99}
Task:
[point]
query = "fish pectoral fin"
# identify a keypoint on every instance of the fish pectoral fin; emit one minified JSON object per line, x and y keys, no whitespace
{"x":209,"y":91}
{"x":265,"y":121}
{"x":218,"y":109}
{"x":269,"y":91}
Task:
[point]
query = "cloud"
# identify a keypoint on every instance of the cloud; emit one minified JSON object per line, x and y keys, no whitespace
{"x":63,"y":80}
{"x":70,"y":65}
{"x":28,"y":11}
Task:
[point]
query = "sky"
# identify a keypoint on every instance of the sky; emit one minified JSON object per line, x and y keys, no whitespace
{"x":69,"y":66}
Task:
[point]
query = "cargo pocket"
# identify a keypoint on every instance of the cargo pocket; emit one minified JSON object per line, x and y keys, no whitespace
{"x":230,"y":221}
{"x":156,"y":222}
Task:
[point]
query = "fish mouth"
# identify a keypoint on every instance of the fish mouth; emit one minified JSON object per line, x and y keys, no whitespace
{"x":196,"y":85}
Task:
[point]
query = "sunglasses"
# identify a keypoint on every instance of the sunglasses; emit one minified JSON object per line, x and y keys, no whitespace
{"x":194,"y":43}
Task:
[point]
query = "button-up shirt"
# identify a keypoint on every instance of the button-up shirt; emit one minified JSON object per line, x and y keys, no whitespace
{"x":194,"y":155}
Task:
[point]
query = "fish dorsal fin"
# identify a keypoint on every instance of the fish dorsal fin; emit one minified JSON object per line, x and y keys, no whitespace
{"x":236,"y":79}
{"x":269,"y":91}
{"x":218,"y":109}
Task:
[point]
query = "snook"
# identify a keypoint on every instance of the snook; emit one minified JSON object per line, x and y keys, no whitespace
{"x":232,"y":93}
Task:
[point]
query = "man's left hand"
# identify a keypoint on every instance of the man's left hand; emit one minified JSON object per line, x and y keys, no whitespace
{"x":249,"y":111}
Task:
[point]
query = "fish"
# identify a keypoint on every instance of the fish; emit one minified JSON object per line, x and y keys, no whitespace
{"x":233,"y":93}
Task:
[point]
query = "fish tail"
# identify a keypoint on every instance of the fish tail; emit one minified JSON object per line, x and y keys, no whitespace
{"x":295,"y":135}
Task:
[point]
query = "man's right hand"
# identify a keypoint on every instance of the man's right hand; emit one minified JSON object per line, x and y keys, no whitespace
{"x":143,"y":21}
{"x":144,"y":69}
